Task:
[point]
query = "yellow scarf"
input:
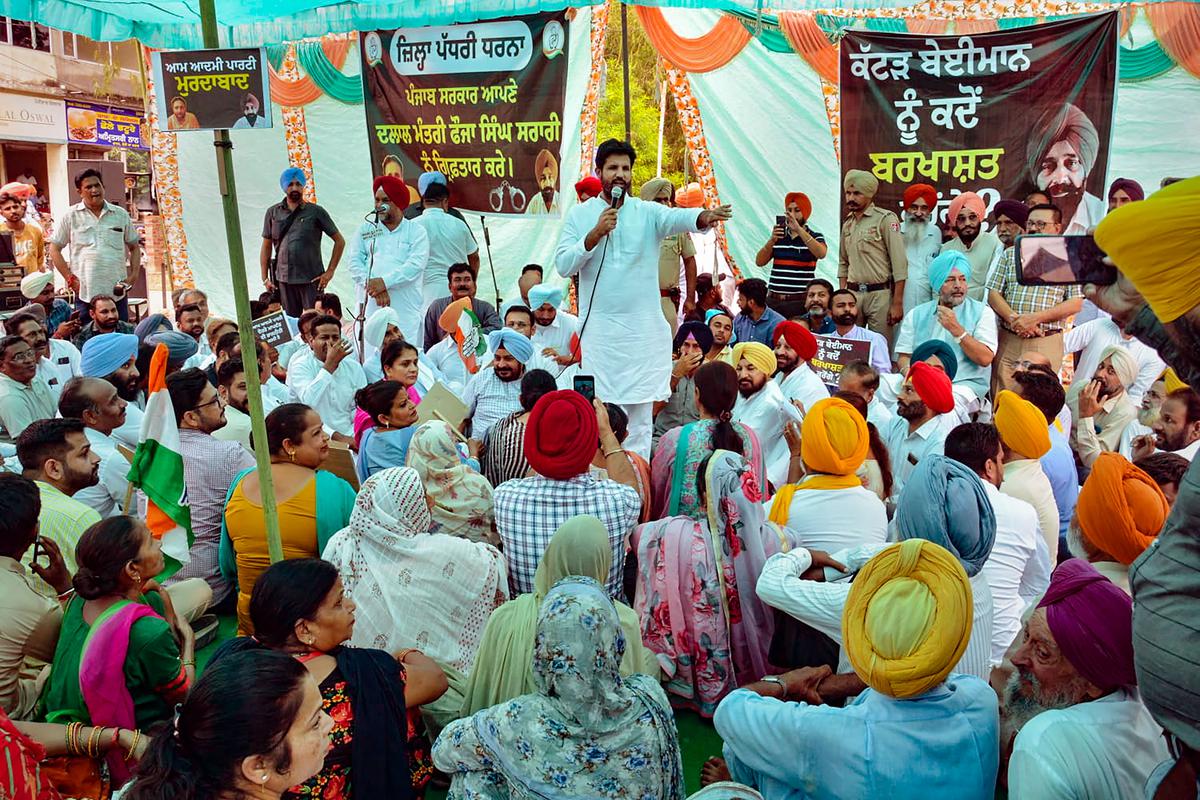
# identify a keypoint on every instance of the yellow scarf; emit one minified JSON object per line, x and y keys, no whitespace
{"x":782,"y":503}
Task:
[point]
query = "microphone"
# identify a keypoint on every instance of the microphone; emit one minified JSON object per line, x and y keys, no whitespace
{"x":380,"y":210}
{"x":617,"y":194}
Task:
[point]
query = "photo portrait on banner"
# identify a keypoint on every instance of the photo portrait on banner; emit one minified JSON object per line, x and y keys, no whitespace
{"x":1002,"y":114}
{"x":212,"y":89}
{"x":482,"y":103}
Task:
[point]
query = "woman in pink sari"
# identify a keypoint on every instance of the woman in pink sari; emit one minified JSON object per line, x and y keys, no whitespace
{"x":695,"y":588}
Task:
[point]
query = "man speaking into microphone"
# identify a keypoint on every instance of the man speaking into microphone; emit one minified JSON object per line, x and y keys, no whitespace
{"x":612,"y":242}
{"x":387,"y":259}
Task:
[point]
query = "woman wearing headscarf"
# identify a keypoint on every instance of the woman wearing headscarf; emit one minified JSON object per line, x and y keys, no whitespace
{"x":460,"y":499}
{"x":414,"y":588}
{"x":610,"y":736}
{"x":504,"y":668}
{"x":676,"y":459}
{"x":695,"y":586}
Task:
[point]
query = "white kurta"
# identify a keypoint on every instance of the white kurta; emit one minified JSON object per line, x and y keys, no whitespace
{"x":330,"y":394}
{"x":450,"y":242}
{"x":107,"y":497}
{"x":626,"y":341}
{"x":400,"y":257}
{"x":802,"y":384}
{"x":766,"y":412}
{"x":444,"y":358}
{"x":60,"y":367}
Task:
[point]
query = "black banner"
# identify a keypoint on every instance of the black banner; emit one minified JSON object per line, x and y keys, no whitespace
{"x":208,"y":89}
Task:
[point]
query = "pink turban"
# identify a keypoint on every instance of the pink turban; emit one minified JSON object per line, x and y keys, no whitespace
{"x":972,"y":201}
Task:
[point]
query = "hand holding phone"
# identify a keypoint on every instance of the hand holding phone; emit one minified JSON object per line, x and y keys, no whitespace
{"x":1062,"y":260}
{"x":586,"y":386}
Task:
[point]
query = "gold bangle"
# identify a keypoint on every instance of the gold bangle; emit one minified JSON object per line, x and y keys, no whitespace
{"x":608,"y":453}
{"x":137,"y":737}
{"x":93,"y":740}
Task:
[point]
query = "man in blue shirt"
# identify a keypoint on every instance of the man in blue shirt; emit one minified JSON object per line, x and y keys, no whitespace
{"x":756,"y":322}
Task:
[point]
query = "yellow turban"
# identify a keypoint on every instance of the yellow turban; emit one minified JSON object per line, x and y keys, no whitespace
{"x":1022,"y":426}
{"x":1154,"y":243}
{"x":1120,"y":509}
{"x":1171,"y":378}
{"x":835,"y":439}
{"x":757,"y":354}
{"x":908,"y":618}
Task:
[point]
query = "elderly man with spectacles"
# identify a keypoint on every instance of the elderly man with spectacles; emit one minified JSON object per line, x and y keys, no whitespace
{"x":23,"y":399}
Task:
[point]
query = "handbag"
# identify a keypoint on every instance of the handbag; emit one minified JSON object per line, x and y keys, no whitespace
{"x":287,"y":226}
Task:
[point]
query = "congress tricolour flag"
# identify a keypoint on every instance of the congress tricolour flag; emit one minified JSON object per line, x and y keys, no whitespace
{"x":460,"y":322}
{"x":158,"y":467}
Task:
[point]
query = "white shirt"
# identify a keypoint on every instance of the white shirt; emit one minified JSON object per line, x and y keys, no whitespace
{"x":1017,"y":570}
{"x":1131,"y":432}
{"x":60,"y":367}
{"x":836,"y":519}
{"x":1105,"y":748}
{"x":450,"y":242}
{"x":820,"y":603}
{"x":880,"y":354}
{"x":916,"y":288}
{"x":444,"y":358}
{"x":626,"y":320}
{"x":1092,"y":338}
{"x":1088,"y":214}
{"x":274,"y":394}
{"x":557,"y":334}
{"x":1025,"y":480}
{"x":95,"y":247}
{"x":802,"y":384}
{"x":108,"y":496}
{"x":128,"y":433}
{"x":400,"y":258}
{"x":907,"y":449}
{"x":331,"y":395}
{"x":765,"y":412}
{"x":236,"y":428}
{"x":969,"y":374}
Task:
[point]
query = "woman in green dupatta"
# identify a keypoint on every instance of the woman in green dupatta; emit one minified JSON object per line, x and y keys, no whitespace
{"x":504,"y":665}
{"x":681,"y":450}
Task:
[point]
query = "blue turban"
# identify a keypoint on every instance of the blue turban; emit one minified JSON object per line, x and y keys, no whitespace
{"x":105,"y":354}
{"x":940,"y":268}
{"x":150,"y":325}
{"x":545,"y":293}
{"x":292,"y":174}
{"x":427,"y":178}
{"x":712,"y":312}
{"x":936,"y":347}
{"x":515,"y":343}
{"x":945,"y":502}
{"x":698,"y":331}
{"x":180,"y":346}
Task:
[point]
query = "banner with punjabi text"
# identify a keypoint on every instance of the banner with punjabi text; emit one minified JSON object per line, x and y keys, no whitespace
{"x":482,"y":103}
{"x":1002,"y":114}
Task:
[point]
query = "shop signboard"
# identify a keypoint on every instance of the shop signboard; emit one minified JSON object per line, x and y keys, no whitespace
{"x":105,"y":126}
{"x":26,"y":118}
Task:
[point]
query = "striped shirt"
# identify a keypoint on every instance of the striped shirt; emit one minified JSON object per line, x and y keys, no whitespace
{"x":794,"y":265}
{"x":63,"y":520}
{"x":503,"y":457}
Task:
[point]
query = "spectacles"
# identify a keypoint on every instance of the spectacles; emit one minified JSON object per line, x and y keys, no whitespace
{"x":1039,"y":225}
{"x":216,"y":399}
{"x":23,"y":356}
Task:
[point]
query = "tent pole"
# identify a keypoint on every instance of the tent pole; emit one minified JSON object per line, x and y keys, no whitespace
{"x":625,"y":66}
{"x":237,"y":269}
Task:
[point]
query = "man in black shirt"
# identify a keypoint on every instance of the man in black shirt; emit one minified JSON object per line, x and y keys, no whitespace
{"x":293,"y":230}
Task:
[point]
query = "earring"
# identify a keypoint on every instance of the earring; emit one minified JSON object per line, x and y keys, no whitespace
{"x":292,"y":456}
{"x":263,"y":777}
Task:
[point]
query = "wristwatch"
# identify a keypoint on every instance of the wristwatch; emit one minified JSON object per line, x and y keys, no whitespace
{"x":774,"y":679}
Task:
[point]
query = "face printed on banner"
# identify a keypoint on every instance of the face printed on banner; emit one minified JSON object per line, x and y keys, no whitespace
{"x":250,"y":107}
{"x":1062,"y":176}
{"x":547,"y":177}
{"x":179,"y":109}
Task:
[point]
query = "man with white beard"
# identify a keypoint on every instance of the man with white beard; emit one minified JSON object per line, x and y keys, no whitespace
{"x":922,"y":241}
{"x":1147,"y":417}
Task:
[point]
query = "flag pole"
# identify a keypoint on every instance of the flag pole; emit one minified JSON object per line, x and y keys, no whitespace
{"x":237,"y":269}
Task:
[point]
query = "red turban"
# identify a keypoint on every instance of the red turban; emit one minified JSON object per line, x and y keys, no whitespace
{"x":394,"y":188}
{"x":932,"y":386}
{"x":561,"y":435}
{"x":798,"y":337}
{"x":589,"y":187}
{"x":800,"y":199}
{"x":920,"y":190}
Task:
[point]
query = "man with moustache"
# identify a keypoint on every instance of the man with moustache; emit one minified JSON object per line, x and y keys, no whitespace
{"x":612,"y":243}
{"x":872,"y":260}
{"x":29,"y":246}
{"x":795,"y":346}
{"x":982,"y":249}
{"x":293,"y":229}
{"x":113,"y":357}
{"x":494,"y":391}
{"x":60,"y":320}
{"x":1147,"y":415}
{"x":231,"y":386}
{"x":1090,"y":339}
{"x":816,"y":306}
{"x":23,"y":398}
{"x":545,"y":174}
{"x":1177,"y":429}
{"x":104,"y":311}
{"x":762,"y":407}
{"x":58,"y":360}
{"x":844,"y":310}
{"x":793,"y":251}
{"x":720,"y":322}
{"x":324,"y":377}
{"x":1010,"y":216}
{"x":1101,"y":408}
{"x":97,"y":404}
{"x":922,"y":241}
{"x":924,"y":417}
{"x":1061,"y":151}
{"x":556,"y":332}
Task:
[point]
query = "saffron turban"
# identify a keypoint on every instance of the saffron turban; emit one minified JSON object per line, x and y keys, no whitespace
{"x":21,"y":191}
{"x":180,"y":346}
{"x":1131,"y":187}
{"x":654,"y":187}
{"x":105,"y":354}
{"x":1123,"y":363}
{"x":545,"y":293}
{"x":394,"y":188}
{"x":561,"y":435}
{"x":1171,"y":378}
{"x":918,"y":191}
{"x":1120,"y":508}
{"x":861,"y":181}
{"x":1022,"y":426}
{"x":1091,"y":620}
{"x":936,"y":347}
{"x":801,"y":200}
{"x":150,"y":326}
{"x":1015,"y":210}
{"x":518,"y":345}
{"x":757,"y":354}
{"x":33,"y":283}
{"x":589,"y":187}
{"x":908,"y":618}
{"x":945,"y":502}
{"x":691,"y":196}
{"x":292,"y":174}
{"x":798,"y":337}
{"x":968,"y":200}
{"x":834,"y":437}
{"x":427,"y":179}
{"x":375,"y":328}
{"x":1067,"y":123}
{"x":932,"y":386}
{"x":697,"y":331}
{"x":1154,"y":244}
{"x":946,"y":262}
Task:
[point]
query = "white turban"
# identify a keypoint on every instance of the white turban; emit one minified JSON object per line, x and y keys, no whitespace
{"x":1123,"y":363}
{"x":375,"y":328}
{"x":33,"y":283}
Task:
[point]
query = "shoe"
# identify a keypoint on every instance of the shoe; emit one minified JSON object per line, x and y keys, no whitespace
{"x":205,"y":629}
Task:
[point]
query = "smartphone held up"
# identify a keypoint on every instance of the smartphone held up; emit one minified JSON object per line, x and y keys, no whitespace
{"x":1062,"y":260}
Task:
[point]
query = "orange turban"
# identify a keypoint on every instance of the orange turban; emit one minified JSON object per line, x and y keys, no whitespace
{"x":394,"y":188}
{"x":920,"y":190}
{"x":1120,"y":508}
{"x":1022,"y":426}
{"x":692,"y":196}
{"x":798,"y":337}
{"x":800,"y":199}
{"x":932,"y":386}
{"x":834,"y":437}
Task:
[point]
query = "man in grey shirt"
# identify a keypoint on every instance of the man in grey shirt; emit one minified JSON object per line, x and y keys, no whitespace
{"x":293,"y":230}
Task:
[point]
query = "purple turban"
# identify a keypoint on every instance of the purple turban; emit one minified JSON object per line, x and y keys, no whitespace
{"x":1092,"y":622}
{"x":1015,"y":210}
{"x":1131,"y":187}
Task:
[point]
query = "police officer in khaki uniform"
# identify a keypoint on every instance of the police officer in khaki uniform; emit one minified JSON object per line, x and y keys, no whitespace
{"x":872,"y":261}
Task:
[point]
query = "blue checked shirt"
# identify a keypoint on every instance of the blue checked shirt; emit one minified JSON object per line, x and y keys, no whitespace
{"x":530,"y":510}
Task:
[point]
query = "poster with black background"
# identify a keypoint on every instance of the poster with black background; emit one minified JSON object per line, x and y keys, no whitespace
{"x":481,"y":103}
{"x":211,"y":89}
{"x":1001,"y":114}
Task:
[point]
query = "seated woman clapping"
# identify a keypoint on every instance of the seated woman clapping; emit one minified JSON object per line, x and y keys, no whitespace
{"x":379,"y":750}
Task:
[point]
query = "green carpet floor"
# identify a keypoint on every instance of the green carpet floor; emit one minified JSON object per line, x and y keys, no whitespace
{"x":697,"y":738}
